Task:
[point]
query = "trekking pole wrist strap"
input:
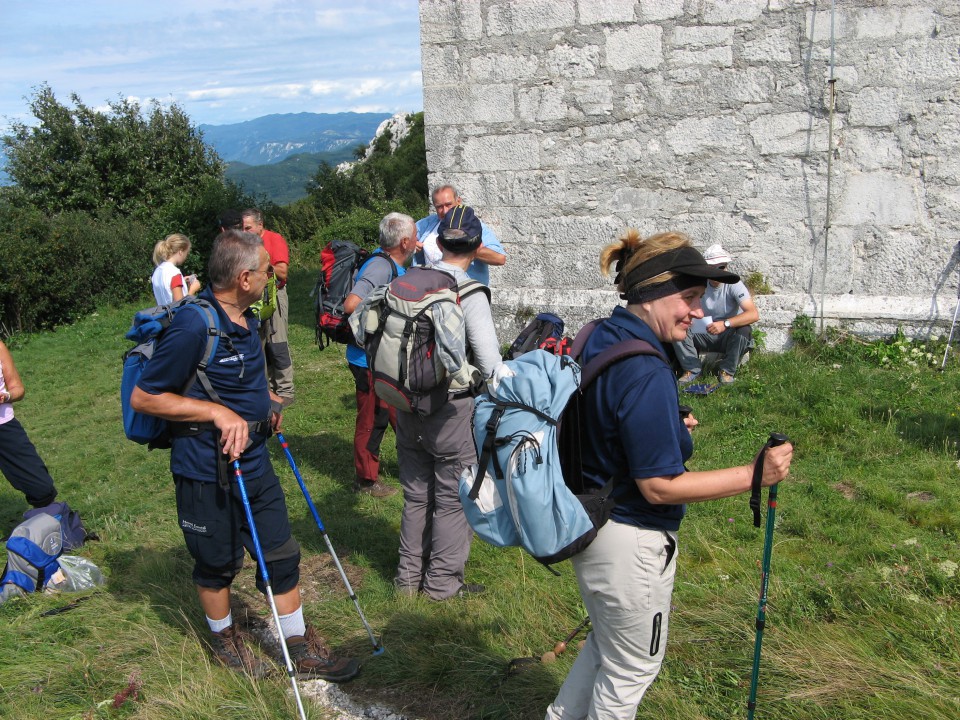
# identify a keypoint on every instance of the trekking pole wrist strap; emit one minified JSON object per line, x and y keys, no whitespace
{"x":756,"y":485}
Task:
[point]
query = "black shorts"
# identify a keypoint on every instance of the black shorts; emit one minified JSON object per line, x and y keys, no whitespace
{"x":214,"y":526}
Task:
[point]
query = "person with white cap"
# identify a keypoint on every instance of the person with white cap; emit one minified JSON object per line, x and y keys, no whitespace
{"x":728,"y":313}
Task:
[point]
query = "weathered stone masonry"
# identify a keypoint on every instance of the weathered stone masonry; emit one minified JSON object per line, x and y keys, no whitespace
{"x":563,"y":121}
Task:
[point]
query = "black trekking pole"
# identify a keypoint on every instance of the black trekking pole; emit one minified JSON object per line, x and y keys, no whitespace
{"x":774,"y":440}
{"x":377,"y":647}
{"x":265,"y":574}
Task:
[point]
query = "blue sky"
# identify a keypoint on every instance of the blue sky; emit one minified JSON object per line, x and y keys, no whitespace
{"x":221,"y":61}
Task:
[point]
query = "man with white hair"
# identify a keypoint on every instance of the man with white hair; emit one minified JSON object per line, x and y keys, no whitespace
{"x":728,"y":313}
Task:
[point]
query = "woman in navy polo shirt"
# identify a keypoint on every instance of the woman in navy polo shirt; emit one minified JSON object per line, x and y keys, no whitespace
{"x":634,"y":432}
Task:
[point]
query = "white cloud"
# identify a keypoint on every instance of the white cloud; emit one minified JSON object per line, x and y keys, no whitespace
{"x":221,"y":60}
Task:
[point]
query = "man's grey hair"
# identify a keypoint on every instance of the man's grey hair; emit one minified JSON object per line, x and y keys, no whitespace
{"x":393,"y":227}
{"x":233,"y":252}
{"x":253,"y":214}
{"x":440,"y":188}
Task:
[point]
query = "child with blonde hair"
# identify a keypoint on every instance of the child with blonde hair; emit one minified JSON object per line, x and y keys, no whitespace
{"x":169,"y":284}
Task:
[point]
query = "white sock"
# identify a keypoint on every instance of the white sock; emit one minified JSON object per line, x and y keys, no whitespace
{"x":218,"y":625}
{"x":293,"y":625}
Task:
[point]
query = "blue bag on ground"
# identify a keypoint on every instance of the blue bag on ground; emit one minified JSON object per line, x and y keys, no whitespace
{"x":148,"y":326}
{"x":32,"y":552}
{"x":521,"y":498}
{"x":72,"y":530}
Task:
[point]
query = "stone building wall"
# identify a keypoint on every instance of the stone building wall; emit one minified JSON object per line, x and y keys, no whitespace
{"x":564,"y":121}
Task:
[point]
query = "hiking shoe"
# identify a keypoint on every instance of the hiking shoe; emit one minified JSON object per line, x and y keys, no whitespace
{"x":376,"y":488}
{"x":725,"y":378}
{"x":313,"y":660}
{"x":230,"y":650}
{"x":468,"y":589}
{"x":688,"y":377}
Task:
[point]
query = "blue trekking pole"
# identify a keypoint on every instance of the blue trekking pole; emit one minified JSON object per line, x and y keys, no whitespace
{"x":377,"y":647}
{"x":265,"y":574}
{"x":775,"y":439}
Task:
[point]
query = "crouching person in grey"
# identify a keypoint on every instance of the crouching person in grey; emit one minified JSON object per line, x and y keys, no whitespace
{"x":728,"y":314}
{"x":434,"y":449}
{"x":207,"y":437}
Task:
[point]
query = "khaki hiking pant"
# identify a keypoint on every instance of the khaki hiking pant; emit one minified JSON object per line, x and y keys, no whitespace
{"x":626,"y":581}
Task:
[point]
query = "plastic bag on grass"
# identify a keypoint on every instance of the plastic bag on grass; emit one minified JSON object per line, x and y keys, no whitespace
{"x":75,"y":574}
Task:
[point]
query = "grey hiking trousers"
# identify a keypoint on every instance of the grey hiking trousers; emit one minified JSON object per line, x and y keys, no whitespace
{"x":432,"y":452}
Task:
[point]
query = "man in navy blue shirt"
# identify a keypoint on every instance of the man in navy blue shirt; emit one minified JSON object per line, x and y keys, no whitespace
{"x":208,"y":436}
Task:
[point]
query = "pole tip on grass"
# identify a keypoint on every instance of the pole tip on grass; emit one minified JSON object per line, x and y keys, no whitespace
{"x":378,"y":650}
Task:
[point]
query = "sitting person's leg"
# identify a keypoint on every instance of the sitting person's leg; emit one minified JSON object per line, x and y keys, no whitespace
{"x":688,"y":355}
{"x":734,"y":344}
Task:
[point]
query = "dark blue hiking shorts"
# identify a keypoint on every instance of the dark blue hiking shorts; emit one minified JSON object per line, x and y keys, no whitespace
{"x":215,"y":529}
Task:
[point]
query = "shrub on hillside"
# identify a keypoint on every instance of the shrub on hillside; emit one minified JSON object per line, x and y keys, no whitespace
{"x":59,"y":268}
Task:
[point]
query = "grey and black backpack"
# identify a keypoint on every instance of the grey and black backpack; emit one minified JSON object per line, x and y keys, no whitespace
{"x":413,"y":333}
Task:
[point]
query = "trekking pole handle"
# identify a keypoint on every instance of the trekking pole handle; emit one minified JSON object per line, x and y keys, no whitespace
{"x":774,"y":440}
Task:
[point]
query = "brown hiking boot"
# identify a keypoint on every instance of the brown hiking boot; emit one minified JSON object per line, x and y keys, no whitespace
{"x":230,"y":650}
{"x":313,"y":660}
{"x":376,"y":488}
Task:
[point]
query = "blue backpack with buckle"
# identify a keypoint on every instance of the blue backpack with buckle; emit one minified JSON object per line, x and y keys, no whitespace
{"x":148,"y":326}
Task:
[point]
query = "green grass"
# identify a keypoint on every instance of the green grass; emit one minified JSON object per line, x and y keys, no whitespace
{"x":862,"y":620}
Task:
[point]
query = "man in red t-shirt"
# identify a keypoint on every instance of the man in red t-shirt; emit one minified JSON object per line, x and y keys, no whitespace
{"x":274,"y":330}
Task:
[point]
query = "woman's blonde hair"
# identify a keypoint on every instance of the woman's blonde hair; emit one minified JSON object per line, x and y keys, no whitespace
{"x":631,"y":250}
{"x":170,"y":246}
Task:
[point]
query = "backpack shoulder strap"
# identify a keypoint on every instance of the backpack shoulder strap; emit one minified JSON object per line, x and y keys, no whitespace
{"x":471,"y":287}
{"x":214,"y":333}
{"x":394,"y":271}
{"x":614,"y":354}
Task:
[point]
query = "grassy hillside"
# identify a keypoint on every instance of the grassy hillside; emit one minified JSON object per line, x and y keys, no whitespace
{"x":862,"y":621}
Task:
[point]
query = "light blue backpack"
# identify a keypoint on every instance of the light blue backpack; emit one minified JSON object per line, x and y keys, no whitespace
{"x":528,"y":489}
{"x":520,"y":497}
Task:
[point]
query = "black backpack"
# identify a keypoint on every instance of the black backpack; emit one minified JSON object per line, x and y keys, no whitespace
{"x":544,"y":332}
{"x":339,"y":262}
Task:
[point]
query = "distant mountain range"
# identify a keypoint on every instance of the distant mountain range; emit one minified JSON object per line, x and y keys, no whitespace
{"x":272,"y":138}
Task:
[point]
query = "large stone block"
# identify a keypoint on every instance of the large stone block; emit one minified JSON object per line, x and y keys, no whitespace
{"x":458,"y":104}
{"x":774,"y":46}
{"x":872,"y":149}
{"x":501,"y":152}
{"x":442,"y":21}
{"x":790,"y":134}
{"x":878,"y":198}
{"x":517,"y":18}
{"x":502,"y":67}
{"x":635,"y":47}
{"x":696,"y":134}
{"x":441,"y":64}
{"x":875,"y":107}
{"x":698,"y":38}
{"x":542,"y":103}
{"x":592,"y":97}
{"x":655,"y":10}
{"x":717,"y":56}
{"x":591,"y":12}
{"x":566,"y":61}
{"x":876,"y":23}
{"x":732,"y":11}
{"x":819,"y":23}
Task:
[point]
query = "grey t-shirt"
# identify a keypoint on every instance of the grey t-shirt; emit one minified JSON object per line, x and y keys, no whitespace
{"x":724,"y":301}
{"x":478,"y":318}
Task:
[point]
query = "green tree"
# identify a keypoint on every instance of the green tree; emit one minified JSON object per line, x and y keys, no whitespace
{"x":133,"y":161}
{"x":349,"y":204}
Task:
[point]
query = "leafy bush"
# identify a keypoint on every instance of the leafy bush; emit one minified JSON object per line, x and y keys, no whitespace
{"x":802,"y":331}
{"x":58,"y":269}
